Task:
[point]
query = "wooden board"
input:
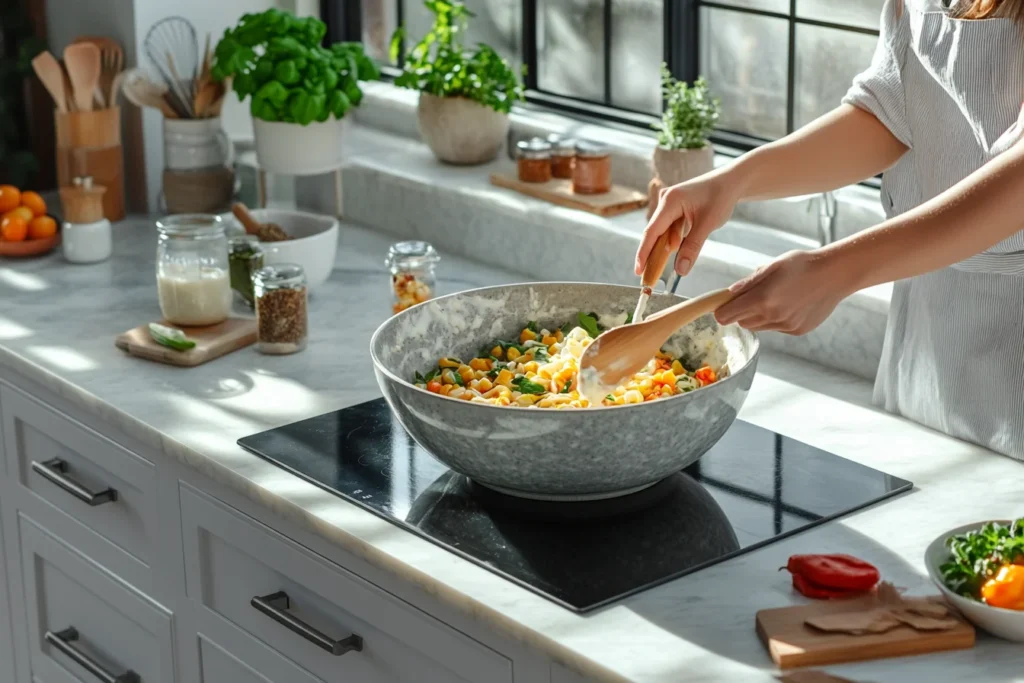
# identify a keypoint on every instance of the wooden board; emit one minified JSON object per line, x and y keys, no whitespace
{"x":211,"y":342}
{"x":559,"y":191}
{"x":791,"y":643}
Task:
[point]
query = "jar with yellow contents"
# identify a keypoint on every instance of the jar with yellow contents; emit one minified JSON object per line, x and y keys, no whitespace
{"x":413,"y":273}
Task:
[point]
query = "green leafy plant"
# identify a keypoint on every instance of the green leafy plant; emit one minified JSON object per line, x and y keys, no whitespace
{"x":440,"y":64}
{"x":18,"y":46}
{"x":690,"y":113}
{"x":976,"y":556}
{"x":278,"y":60}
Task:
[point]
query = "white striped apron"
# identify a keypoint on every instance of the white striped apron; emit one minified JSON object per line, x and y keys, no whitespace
{"x":951,"y":90}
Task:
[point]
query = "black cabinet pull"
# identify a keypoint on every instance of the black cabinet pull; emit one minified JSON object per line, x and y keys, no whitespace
{"x":55,"y":472}
{"x":61,"y":640}
{"x":276,"y":605}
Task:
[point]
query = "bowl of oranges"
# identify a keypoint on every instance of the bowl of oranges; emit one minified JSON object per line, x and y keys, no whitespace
{"x":26,"y":229}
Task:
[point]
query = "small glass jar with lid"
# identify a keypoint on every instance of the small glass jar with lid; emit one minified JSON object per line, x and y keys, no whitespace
{"x":282,"y":303}
{"x":193,"y":284}
{"x":413,"y":278}
{"x":245,"y":257}
{"x":534,"y":160}
{"x":592,"y":170}
{"x":563,"y":155}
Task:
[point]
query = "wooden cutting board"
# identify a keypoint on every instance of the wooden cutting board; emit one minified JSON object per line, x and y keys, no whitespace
{"x":791,"y":643}
{"x":559,"y":191}
{"x":211,"y":342}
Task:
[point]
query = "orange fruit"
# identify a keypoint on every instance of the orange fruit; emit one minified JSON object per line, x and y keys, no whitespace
{"x":41,"y":227}
{"x":22,"y":212}
{"x":33,"y":201}
{"x":13,"y":228}
{"x":10,"y":198}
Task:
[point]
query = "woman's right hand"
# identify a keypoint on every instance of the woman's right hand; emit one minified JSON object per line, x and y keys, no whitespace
{"x":691,"y":210}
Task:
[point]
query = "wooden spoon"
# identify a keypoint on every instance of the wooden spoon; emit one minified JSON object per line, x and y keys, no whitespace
{"x":620,"y":353}
{"x":111,"y":64}
{"x":51,"y":74}
{"x":83,"y":63}
{"x":656,"y":262}
{"x":267,"y":232}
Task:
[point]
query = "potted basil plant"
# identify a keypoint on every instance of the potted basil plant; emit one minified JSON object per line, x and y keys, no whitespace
{"x":683,"y":150}
{"x":465,"y":95}
{"x":299,"y":90}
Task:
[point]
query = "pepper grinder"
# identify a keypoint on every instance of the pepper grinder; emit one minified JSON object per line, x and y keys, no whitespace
{"x":86,"y":235}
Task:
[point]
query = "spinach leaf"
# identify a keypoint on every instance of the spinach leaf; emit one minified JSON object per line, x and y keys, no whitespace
{"x":525,"y":386}
{"x":567,"y":387}
{"x":589,"y":323}
{"x":629,"y":317}
{"x":532,"y":326}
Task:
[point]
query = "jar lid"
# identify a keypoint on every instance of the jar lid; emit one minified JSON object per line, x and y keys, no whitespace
{"x":280,"y":275}
{"x":191,"y":226}
{"x":534,"y":148}
{"x":411,"y":255}
{"x":244,"y":244}
{"x":562,"y":146}
{"x":589,"y":149}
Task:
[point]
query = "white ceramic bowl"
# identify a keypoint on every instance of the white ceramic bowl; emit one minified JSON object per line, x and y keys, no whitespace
{"x":1005,"y":623}
{"x":313,"y":245}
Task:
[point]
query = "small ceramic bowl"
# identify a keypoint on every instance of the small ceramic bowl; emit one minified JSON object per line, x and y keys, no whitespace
{"x":1004,"y":623}
{"x":313,"y":246}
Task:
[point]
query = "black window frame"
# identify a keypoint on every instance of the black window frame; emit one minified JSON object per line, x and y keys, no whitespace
{"x":681,"y":54}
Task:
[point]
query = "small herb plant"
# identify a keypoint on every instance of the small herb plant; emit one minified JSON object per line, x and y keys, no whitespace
{"x":277,"y":58}
{"x":690,"y":113}
{"x":439,"y":64}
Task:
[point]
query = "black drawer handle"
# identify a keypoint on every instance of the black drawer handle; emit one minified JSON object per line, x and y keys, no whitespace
{"x":55,"y":471}
{"x":62,"y":641}
{"x":275,"y":606}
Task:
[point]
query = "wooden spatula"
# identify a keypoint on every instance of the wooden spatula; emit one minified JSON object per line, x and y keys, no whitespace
{"x":652,"y":272}
{"x":51,"y":74}
{"x":83,"y":64}
{"x":267,"y":232}
{"x":620,"y":353}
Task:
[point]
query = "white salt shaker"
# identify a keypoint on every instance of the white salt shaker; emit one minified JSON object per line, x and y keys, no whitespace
{"x":86,"y":235}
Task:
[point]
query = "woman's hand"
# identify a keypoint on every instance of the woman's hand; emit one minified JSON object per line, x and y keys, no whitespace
{"x":793,"y":294}
{"x":691,"y":210}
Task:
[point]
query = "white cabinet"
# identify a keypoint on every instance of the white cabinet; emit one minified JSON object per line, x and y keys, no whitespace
{"x":329,"y":621}
{"x":84,"y":625}
{"x":105,"y":491}
{"x":6,"y":635}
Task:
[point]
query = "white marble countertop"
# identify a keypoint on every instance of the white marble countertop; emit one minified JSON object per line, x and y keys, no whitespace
{"x":57,"y":324}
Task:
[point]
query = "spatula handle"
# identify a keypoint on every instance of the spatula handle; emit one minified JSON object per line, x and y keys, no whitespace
{"x":251,"y":225}
{"x":656,"y":262}
{"x":691,"y":309}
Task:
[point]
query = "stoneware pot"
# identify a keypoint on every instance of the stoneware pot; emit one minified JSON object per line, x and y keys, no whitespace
{"x":674,"y":166}
{"x":461,"y":131}
{"x":583,"y":454}
{"x":191,"y":144}
{"x":291,"y":149}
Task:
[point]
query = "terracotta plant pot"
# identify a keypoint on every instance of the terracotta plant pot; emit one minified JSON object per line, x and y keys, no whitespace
{"x":461,"y":131}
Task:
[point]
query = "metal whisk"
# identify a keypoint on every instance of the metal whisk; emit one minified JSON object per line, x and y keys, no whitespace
{"x":173,"y":48}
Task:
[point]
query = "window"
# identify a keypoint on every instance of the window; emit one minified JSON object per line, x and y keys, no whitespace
{"x":775,"y":64}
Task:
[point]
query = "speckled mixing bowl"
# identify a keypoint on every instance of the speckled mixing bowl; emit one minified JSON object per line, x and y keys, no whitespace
{"x":556,"y":454}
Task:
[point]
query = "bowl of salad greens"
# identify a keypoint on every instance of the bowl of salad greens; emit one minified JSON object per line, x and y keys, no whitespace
{"x":980,"y":570}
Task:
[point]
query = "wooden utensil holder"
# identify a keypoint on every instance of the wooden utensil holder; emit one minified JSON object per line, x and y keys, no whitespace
{"x":89,"y":144}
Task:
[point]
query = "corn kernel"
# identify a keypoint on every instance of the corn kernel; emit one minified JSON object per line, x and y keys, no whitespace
{"x":480,"y":364}
{"x":504,"y":377}
{"x":483,"y":385}
{"x":497,"y":352}
{"x":466,"y":373}
{"x":677,"y":367}
{"x":531,"y":368}
{"x":548,"y":340}
{"x":559,"y":336}
{"x":448,"y":363}
{"x":513,"y":354}
{"x":527,"y":335}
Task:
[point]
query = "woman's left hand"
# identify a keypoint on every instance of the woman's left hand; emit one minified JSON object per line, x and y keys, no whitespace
{"x":793,"y":294}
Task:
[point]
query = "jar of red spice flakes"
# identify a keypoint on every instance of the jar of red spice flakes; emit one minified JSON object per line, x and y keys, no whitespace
{"x":412,"y":266}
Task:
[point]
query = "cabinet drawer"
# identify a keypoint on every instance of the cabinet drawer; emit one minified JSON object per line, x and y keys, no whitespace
{"x":83,"y":625}
{"x":304,"y":606}
{"x":106,"y":491}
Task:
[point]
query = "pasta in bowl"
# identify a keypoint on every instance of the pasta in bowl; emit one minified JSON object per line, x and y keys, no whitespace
{"x":540,"y":369}
{"x":566,"y":449}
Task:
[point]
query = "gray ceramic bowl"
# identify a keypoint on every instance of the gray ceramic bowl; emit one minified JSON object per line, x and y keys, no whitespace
{"x":556,"y":454}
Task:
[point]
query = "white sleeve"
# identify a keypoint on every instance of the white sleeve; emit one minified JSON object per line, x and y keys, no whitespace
{"x":879,"y":89}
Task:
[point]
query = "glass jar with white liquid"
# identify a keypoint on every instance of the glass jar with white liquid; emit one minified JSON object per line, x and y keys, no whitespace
{"x":192,"y":273}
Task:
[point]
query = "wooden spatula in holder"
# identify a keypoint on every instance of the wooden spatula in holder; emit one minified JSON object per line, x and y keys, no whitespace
{"x":89,"y":144}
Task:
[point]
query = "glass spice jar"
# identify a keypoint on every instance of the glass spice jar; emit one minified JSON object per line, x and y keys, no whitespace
{"x":563,"y":155}
{"x":534,"y":160}
{"x":413,"y":280}
{"x":245,"y":257}
{"x":592,"y":171}
{"x":192,"y":279}
{"x":282,"y":317}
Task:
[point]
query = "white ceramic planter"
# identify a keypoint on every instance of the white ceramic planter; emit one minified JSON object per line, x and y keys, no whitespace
{"x":461,"y":131}
{"x":291,"y":149}
{"x":674,"y":166}
{"x":191,"y":144}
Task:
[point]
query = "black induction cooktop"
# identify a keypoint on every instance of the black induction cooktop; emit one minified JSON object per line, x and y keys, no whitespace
{"x":754,"y":487}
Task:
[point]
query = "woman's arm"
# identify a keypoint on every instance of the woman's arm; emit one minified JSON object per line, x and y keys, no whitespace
{"x":842,"y":147}
{"x":980,"y":211}
{"x":798,"y":291}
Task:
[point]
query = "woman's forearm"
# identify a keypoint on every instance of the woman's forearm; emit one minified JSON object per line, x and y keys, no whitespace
{"x":970,"y":217}
{"x":845,"y":146}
